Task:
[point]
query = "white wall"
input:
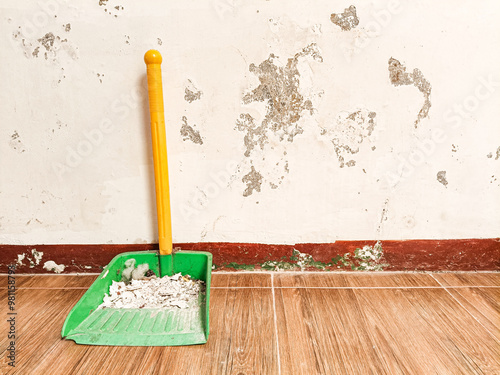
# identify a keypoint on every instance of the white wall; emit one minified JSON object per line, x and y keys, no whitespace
{"x":75,"y":159}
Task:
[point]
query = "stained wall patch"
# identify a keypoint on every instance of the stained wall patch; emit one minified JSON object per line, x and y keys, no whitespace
{"x":347,"y":20}
{"x":400,"y":77}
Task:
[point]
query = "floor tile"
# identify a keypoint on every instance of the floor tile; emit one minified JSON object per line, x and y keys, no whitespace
{"x":468,"y":278}
{"x":483,"y":304}
{"x":51,"y":281}
{"x":327,"y":323}
{"x":40,"y":314}
{"x":241,"y":340}
{"x":354,"y":280}
{"x":241,"y":280}
{"x":383,"y":331}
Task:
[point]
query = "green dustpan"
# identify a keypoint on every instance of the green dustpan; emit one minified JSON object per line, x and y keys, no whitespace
{"x":142,"y":327}
{"x":86,"y":324}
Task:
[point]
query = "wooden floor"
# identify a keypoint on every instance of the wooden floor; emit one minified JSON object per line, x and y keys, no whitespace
{"x":284,"y":323}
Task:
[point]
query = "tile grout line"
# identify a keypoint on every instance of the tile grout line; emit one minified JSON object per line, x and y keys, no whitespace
{"x":465,"y":308}
{"x":51,"y":288}
{"x":260,"y":272}
{"x":355,"y":287}
{"x":290,"y":287}
{"x":276,"y":326}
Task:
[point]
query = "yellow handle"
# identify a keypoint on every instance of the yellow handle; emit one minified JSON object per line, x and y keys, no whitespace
{"x":153,"y":62}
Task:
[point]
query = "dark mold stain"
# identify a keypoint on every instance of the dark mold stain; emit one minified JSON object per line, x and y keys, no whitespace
{"x":188,"y":133}
{"x":191,"y":93}
{"x":67,"y":27}
{"x":498,"y":154}
{"x":253,"y":179}
{"x":399,"y":77}
{"x":347,"y":20}
{"x":441,"y":177}
{"x":158,"y":40}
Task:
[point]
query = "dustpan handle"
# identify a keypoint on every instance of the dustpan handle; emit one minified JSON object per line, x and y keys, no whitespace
{"x":153,"y":62}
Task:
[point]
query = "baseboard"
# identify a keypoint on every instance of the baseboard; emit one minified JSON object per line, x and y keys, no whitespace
{"x":407,"y":255}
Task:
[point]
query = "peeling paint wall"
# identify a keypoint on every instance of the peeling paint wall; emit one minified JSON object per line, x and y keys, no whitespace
{"x":287,"y":122}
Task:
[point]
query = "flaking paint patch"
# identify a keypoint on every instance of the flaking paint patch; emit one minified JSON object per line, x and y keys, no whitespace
{"x":265,"y":139}
{"x":109,"y":8}
{"x":191,"y":93}
{"x":279,"y":89}
{"x":254,"y":135}
{"x":15,"y":142}
{"x":399,"y":77}
{"x":20,"y":258}
{"x":34,"y":260}
{"x":37,"y":257}
{"x":349,"y":132}
{"x":50,"y":44}
{"x":368,"y":258}
{"x":189,"y":133}
{"x":441,"y":177}
{"x":253,"y":179}
{"x":53,"y":266}
{"x":347,"y":20}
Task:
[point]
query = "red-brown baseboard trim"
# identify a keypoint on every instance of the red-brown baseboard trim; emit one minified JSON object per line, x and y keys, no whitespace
{"x":408,"y":255}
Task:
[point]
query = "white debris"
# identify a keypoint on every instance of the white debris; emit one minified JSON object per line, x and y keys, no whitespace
{"x":20,"y":258}
{"x":38,"y":257}
{"x":127,"y":272}
{"x":53,"y":266}
{"x":140,"y":271}
{"x":371,"y":253}
{"x":166,"y":292}
{"x":131,"y":272}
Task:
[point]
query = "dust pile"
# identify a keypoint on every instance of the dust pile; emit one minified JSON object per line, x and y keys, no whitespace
{"x":175,"y":291}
